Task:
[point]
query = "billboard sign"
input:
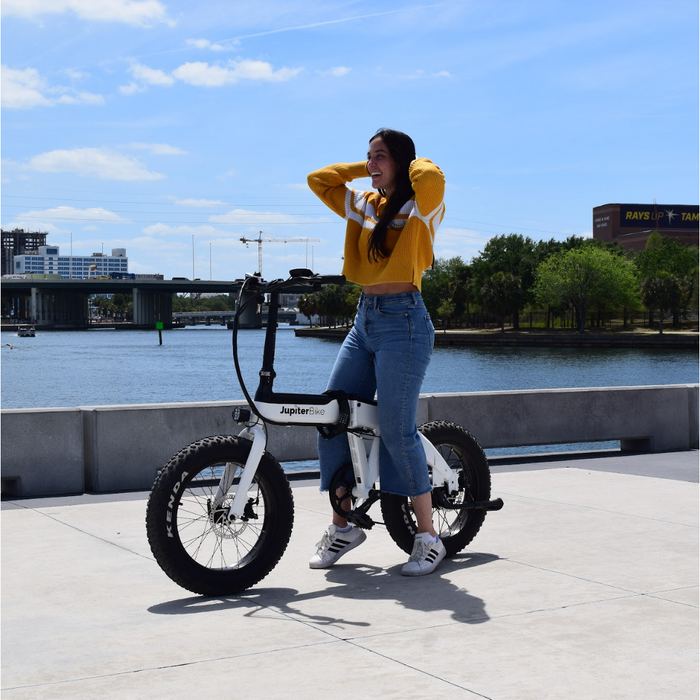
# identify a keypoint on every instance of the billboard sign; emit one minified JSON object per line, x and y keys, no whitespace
{"x":659,"y":216}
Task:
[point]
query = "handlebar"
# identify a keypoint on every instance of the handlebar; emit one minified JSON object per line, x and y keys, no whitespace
{"x":298,"y":276}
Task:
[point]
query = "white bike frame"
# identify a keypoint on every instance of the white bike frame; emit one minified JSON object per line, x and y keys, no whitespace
{"x":363,"y":438}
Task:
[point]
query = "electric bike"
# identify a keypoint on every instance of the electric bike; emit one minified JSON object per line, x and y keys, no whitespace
{"x":221,"y":511}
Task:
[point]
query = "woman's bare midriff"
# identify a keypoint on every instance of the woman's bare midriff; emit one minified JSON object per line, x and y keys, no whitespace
{"x":389,"y":288}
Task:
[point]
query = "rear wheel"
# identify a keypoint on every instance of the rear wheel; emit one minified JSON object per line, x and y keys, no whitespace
{"x":456,"y":528}
{"x":187,"y":524}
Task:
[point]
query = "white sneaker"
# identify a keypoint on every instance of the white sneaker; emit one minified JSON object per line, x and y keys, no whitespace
{"x":425,"y":557}
{"x":334,"y":544}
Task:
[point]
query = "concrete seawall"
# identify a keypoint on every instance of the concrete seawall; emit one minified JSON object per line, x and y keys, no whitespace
{"x":58,"y":451}
{"x":670,"y":340}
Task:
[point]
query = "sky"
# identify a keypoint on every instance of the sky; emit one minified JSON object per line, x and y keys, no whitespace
{"x":174,"y":129}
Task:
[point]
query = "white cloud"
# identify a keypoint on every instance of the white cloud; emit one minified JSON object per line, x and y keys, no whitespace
{"x":25,"y":89}
{"x":246,"y":217}
{"x":205,"y":44}
{"x":131,"y":88}
{"x":419,"y":74}
{"x":205,"y":75}
{"x":166,"y":230}
{"x":21,"y":89}
{"x":64,"y":213}
{"x":337,"y":72}
{"x":96,"y":162}
{"x":456,"y":242}
{"x":135,"y":12}
{"x":85,"y":98}
{"x":150,"y":76}
{"x":34,"y":225}
{"x":75,"y":74}
{"x":158,"y":149}
{"x":199,"y":203}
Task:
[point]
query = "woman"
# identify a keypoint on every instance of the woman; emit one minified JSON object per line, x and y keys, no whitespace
{"x":388,"y":245}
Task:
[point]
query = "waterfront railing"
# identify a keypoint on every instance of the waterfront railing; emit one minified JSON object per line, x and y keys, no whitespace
{"x":59,"y":451}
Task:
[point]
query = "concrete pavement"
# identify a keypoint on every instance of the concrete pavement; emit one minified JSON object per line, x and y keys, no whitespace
{"x":584,"y":586}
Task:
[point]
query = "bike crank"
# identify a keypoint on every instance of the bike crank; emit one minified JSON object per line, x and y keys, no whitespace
{"x":441,"y":501}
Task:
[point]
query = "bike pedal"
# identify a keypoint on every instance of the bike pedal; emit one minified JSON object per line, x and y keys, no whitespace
{"x":361,"y":520}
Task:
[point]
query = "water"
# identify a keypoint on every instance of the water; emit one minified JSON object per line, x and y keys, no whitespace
{"x":108,"y":367}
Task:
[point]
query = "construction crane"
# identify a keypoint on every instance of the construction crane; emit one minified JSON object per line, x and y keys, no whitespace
{"x":260,"y":240}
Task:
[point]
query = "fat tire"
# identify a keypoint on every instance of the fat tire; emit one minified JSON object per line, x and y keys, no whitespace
{"x":455,"y":528}
{"x":202,"y":552}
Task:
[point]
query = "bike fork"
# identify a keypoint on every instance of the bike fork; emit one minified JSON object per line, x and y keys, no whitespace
{"x":259,"y":437}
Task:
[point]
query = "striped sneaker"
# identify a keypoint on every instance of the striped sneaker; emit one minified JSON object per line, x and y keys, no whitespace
{"x":334,"y":544}
{"x":425,"y":557}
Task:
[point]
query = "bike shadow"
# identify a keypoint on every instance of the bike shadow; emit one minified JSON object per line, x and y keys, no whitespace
{"x":356,"y":582}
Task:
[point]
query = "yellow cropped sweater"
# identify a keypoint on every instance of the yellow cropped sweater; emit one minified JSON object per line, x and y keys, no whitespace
{"x":410,"y":235}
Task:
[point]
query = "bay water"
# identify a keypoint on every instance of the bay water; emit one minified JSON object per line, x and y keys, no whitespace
{"x":110,"y":367}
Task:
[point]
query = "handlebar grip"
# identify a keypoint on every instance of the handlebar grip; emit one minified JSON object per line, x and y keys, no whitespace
{"x":332,"y":279}
{"x":304,"y":276}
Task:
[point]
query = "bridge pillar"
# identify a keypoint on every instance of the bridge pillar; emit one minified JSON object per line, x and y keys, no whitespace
{"x":63,"y":309}
{"x":151,"y":307}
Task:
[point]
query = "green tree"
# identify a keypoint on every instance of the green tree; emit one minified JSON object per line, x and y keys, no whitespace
{"x":502,"y":293}
{"x":663,"y":254}
{"x":332,"y":303}
{"x":518,"y":257}
{"x":309,"y":305}
{"x":587,"y":277}
{"x":122,"y":306}
{"x":666,"y":255}
{"x":661,"y":293}
{"x":446,"y":311}
{"x":446,"y":285}
{"x":103,"y":304}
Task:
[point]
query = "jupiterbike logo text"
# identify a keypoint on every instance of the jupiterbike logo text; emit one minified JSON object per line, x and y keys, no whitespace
{"x":299,"y":411}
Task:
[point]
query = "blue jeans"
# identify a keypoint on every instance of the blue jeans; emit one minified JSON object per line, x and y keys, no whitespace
{"x":388,"y":351}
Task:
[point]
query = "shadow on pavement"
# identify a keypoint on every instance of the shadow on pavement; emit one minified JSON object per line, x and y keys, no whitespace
{"x":357,"y":582}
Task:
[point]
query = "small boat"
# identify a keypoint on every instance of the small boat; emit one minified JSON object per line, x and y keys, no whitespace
{"x":26,"y":332}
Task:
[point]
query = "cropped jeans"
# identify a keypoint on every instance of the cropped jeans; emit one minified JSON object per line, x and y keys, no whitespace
{"x":387,"y":351}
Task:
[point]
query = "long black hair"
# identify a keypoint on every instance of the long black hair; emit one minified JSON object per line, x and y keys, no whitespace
{"x":403,"y":151}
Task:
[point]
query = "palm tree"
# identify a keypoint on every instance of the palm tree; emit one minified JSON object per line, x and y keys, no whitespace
{"x":308,"y":305}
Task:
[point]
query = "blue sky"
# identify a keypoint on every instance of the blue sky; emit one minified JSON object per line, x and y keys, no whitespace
{"x":162,"y":126}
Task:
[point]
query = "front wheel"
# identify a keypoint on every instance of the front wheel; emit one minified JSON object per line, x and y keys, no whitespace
{"x":187,"y":522}
{"x":456,"y":528}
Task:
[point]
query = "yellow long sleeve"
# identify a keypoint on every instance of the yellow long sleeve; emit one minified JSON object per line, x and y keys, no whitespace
{"x":411,"y":234}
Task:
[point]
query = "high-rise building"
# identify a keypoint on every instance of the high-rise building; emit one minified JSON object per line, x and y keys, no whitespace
{"x":19,"y":242}
{"x":48,"y":261}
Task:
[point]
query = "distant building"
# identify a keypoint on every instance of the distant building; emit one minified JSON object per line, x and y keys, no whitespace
{"x":19,"y":242}
{"x":48,"y":261}
{"x":632,"y":224}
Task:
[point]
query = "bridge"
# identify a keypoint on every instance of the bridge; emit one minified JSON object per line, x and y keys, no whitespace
{"x":225,"y":318}
{"x":62,"y":304}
